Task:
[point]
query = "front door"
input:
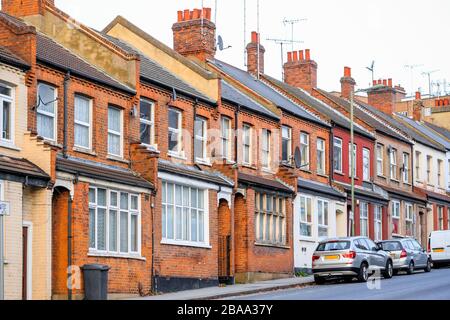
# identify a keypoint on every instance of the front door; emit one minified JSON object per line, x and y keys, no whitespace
{"x":423,"y":230}
{"x":25,"y":264}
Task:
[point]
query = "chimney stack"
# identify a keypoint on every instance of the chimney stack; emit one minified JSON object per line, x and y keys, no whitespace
{"x":194,"y":34}
{"x":300,"y":71}
{"x":24,"y":8}
{"x":252,"y":55}
{"x":347,"y":83}
{"x":384,"y":96}
{"x":418,"y":107}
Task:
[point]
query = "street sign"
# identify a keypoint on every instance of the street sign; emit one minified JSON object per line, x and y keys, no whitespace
{"x":4,"y":208}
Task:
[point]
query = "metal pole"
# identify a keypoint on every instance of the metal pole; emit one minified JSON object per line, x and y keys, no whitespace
{"x":258,"y":45}
{"x":2,"y":261}
{"x":352,"y":143}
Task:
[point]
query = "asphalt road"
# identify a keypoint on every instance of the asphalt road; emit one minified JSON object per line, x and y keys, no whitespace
{"x":419,"y":286}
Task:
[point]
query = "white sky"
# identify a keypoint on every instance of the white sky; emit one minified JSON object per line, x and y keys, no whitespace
{"x":394,"y":33}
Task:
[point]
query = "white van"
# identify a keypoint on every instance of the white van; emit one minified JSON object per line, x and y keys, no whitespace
{"x":439,"y":247}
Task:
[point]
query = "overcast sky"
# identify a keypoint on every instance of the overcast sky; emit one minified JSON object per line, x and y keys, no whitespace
{"x":339,"y":33}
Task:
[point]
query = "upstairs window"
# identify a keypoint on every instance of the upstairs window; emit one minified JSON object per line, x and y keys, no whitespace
{"x":201,"y":139}
{"x":320,"y":156}
{"x":246,"y":144}
{"x":6,"y":104}
{"x":393,"y":164}
{"x":439,"y":173}
{"x":337,"y":163}
{"x":350,"y":161}
{"x":380,"y":160}
{"x":266,"y":145}
{"x":82,"y":127}
{"x":406,"y":168}
{"x":147,"y":120}
{"x":304,"y":150}
{"x":418,"y":165}
{"x":115,"y":140}
{"x":286,"y":152}
{"x":175,"y":125}
{"x":226,"y":138}
{"x":366,"y":164}
{"x":429,"y":162}
{"x":46,"y":111}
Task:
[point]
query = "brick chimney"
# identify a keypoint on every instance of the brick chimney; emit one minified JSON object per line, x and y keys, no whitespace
{"x":23,"y":8}
{"x":194,"y":34}
{"x":252,"y":54}
{"x":347,"y":83}
{"x":383,"y":95}
{"x":418,"y":107}
{"x":300,"y":71}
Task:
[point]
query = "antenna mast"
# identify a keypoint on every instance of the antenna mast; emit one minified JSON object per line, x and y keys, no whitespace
{"x":245,"y":33}
{"x":282,"y":42}
{"x":428,"y":74}
{"x":292,"y":23}
{"x":259,"y":42}
{"x":411,"y":68}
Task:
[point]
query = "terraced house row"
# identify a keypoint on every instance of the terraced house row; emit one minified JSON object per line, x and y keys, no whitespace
{"x":181,"y":171}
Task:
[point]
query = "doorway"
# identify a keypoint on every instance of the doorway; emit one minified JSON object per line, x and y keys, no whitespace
{"x":26,"y":263}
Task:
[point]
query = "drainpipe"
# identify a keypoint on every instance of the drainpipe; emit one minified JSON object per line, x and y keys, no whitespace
{"x":236,"y":124}
{"x":331,"y":155}
{"x":65,"y":128}
{"x":193,"y":136}
{"x":152,"y":208}
{"x":69,"y":241}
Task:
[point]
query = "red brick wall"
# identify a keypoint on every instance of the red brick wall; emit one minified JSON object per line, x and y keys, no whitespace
{"x":252,"y":55}
{"x":301,"y":73}
{"x":21,"y":8}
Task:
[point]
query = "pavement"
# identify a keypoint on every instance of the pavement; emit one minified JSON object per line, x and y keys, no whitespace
{"x":419,"y":286}
{"x":214,"y":293}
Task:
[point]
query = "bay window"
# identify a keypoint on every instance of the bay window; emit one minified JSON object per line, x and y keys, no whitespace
{"x":6,"y":111}
{"x":47,"y":111}
{"x":201,"y":139}
{"x":147,"y":120}
{"x":175,"y":127}
{"x":115,"y":140}
{"x":409,"y":220}
{"x":364,"y":219}
{"x":114,"y":221}
{"x":337,"y":155}
{"x":266,"y":145}
{"x":270,"y":219}
{"x":226,"y":138}
{"x":286,"y":153}
{"x":184,"y":214}
{"x":395,"y":217}
{"x":320,"y":156}
{"x":322,"y":210}
{"x":306,"y":216}
{"x":83,"y":123}
{"x":304,"y":150}
{"x":366,"y":164}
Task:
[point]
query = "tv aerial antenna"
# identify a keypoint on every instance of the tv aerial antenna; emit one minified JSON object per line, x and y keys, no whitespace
{"x":282,"y":43}
{"x":411,"y":68}
{"x":292,"y":22}
{"x":372,"y":70}
{"x":428,"y":74}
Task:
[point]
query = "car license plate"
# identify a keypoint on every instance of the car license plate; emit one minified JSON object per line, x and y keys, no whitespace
{"x":440,"y":250}
{"x":331,"y":257}
{"x":392,"y":255}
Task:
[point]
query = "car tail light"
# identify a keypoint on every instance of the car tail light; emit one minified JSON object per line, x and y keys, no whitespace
{"x":350,"y":255}
{"x":429,"y":245}
{"x":314,"y":258}
{"x":404,"y":254}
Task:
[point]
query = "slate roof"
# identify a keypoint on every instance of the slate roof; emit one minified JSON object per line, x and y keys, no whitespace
{"x":442,"y":131}
{"x":96,"y":170}
{"x":267,"y":92}
{"x":271,"y":184}
{"x":320,"y":188}
{"x":233,"y":95}
{"x":194,"y":172}
{"x":52,"y":53}
{"x":420,"y":135}
{"x":337,"y":117}
{"x":155,"y":73}
{"x":29,"y":172}
{"x":6,"y":56}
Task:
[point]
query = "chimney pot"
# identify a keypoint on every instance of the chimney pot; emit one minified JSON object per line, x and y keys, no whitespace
{"x":295,"y":56}
{"x":390,"y":83}
{"x":384,"y":82}
{"x":187,"y":15}
{"x":308,"y":54}
{"x":289,"y":56}
{"x":347,"y":72}
{"x":180,"y":16}
{"x":380,"y":81}
{"x":374,"y":83}
{"x":196,"y":14}
{"x":208,"y":13}
{"x":301,"y":55}
{"x":255,"y":37}
{"x":418,"y":95}
{"x":446,"y":102}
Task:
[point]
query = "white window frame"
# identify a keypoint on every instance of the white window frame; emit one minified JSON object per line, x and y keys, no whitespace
{"x":409,"y":218}
{"x":355,"y":152}
{"x":378,"y":222}
{"x":286,"y":135}
{"x":305,"y":161}
{"x":322,"y":223}
{"x":393,"y":168}
{"x":271,"y":235}
{"x":406,"y":159}
{"x":130,"y":212}
{"x":266,"y":146}
{"x":48,"y":114}
{"x":364,"y":218}
{"x":366,"y":164}
{"x":82,"y":123}
{"x":338,"y":144}
{"x":225,"y":132}
{"x":321,"y":156}
{"x":418,"y":162}
{"x":150,"y":123}
{"x":10,"y":99}
{"x":440,"y":214}
{"x":304,"y":201}
{"x":203,"y":139}
{"x":440,"y":182}
{"x":247,"y":130}
{"x":429,"y":169}
{"x":178,"y":131}
{"x":380,"y":160}
{"x":117,"y":133}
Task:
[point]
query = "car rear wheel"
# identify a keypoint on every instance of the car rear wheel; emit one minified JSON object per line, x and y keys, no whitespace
{"x":389,"y":270}
{"x":363,"y":274}
{"x":428,"y":267}
{"x":319,"y":280}
{"x":410,"y":269}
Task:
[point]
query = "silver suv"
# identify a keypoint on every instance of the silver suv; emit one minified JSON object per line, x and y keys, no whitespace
{"x":349,"y":258}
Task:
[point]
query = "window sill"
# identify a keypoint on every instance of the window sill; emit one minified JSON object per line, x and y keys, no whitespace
{"x":177,"y":156}
{"x":266,"y":170}
{"x":203,"y":162}
{"x":395,"y":180}
{"x":339,"y":173}
{"x":153,"y":148}
{"x":323,"y":175}
{"x":185,"y":244}
{"x":276,"y":246}
{"x":10,"y":146}
{"x":84,"y":151}
{"x":249,"y":166}
{"x":117,"y":159}
{"x":382,"y":176}
{"x":307,"y":239}
{"x":306,"y":171}
{"x":116,"y":255}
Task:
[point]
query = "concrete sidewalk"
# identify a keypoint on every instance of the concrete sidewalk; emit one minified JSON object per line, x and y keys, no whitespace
{"x":232,"y":291}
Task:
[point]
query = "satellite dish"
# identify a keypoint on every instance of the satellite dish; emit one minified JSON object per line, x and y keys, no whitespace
{"x":298,"y":158}
{"x":220,"y":43}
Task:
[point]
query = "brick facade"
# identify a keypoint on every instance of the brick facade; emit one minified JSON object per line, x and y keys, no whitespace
{"x":300,"y":71}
